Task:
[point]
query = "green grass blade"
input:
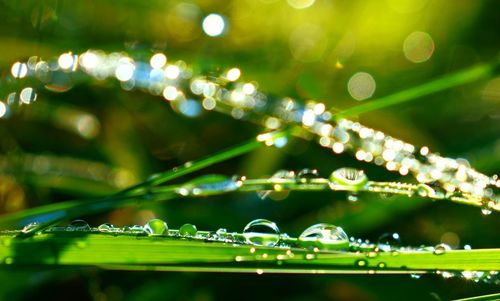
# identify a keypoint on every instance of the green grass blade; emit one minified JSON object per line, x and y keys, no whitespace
{"x":54,"y":213}
{"x":136,"y":252}
{"x":481,"y":298}
{"x":446,"y":82}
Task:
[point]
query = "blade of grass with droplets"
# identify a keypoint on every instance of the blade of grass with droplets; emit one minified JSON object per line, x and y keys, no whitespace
{"x":160,"y":252}
{"x":446,"y":82}
{"x":53,"y":213}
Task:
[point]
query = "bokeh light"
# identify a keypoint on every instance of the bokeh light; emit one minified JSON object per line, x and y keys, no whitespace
{"x":418,"y":47}
{"x":361,"y":86}
{"x":300,"y":4}
{"x":158,"y":60}
{"x":214,"y":25}
{"x":19,"y":70}
{"x":3,"y":109}
{"x":27,"y":95}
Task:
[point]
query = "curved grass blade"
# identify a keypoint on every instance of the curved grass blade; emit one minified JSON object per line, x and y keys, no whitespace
{"x":50,"y":214}
{"x":440,"y":84}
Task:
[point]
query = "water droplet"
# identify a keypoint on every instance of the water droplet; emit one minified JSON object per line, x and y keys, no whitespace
{"x":415,"y":276}
{"x":361,"y":263}
{"x":372,"y":254}
{"x":78,"y":225}
{"x":485,"y":210}
{"x":388,"y":241}
{"x":441,"y":249}
{"x":280,"y":174}
{"x":350,"y":177}
{"x":188,"y":230}
{"x":262,"y":232}
{"x":310,"y":256}
{"x":8,"y":260}
{"x":106,"y":227}
{"x":381,"y":265}
{"x":135,"y":229}
{"x":306,"y":175}
{"x":352,"y":197}
{"x":30,"y":227}
{"x":324,"y":236}
{"x":209,"y":184}
{"x":156,"y":227}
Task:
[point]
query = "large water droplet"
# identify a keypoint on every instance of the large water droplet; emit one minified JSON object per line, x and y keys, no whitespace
{"x":78,"y":225}
{"x":324,"y":236}
{"x":441,"y":249}
{"x":156,"y":227}
{"x":306,"y":175}
{"x":209,"y":184}
{"x":188,"y":230}
{"x":352,"y":178}
{"x":262,"y":232}
{"x":388,"y":241}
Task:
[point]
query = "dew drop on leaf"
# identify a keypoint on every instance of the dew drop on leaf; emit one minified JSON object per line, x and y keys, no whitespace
{"x":388,"y":241}
{"x":106,"y":227}
{"x":324,"y":236}
{"x":188,"y":230}
{"x":441,"y":249}
{"x":262,"y":232}
{"x":349,"y":177}
{"x":78,"y":225}
{"x":30,"y":227}
{"x":156,"y":227}
{"x":306,"y":175}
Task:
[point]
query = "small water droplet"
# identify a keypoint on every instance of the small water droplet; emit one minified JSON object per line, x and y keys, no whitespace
{"x":352,"y":197}
{"x":486,"y":211}
{"x":106,"y":227}
{"x":135,"y":229}
{"x":188,"y":230}
{"x":415,"y":276}
{"x":372,"y":254}
{"x":262,"y":232}
{"x":310,"y":256}
{"x":280,"y":174}
{"x":78,"y":225}
{"x":388,"y":241}
{"x":324,"y":236}
{"x":381,"y":265}
{"x":441,"y":249}
{"x":156,"y":227}
{"x":361,"y":263}
{"x":306,"y":175}
{"x":350,"y":177}
{"x":8,"y":260}
{"x":30,"y":227}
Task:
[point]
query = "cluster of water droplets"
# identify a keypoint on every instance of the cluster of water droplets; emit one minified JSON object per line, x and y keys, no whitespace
{"x":189,"y":93}
{"x":262,"y":234}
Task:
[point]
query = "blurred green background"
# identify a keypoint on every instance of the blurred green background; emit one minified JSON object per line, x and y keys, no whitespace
{"x":337,"y":51}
